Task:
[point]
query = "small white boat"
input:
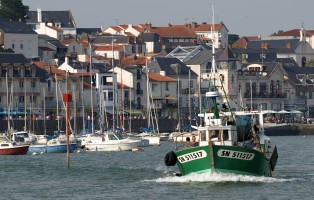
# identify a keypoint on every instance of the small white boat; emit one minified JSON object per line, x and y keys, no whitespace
{"x":111,"y":142}
{"x":181,"y":136}
{"x":154,"y":140}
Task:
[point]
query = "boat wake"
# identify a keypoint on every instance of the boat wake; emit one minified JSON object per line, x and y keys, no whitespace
{"x":221,"y":178}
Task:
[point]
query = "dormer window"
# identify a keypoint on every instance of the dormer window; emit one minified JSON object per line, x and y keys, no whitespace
{"x":10,"y":72}
{"x":21,"y":72}
{"x":32,"y":70}
{"x":255,"y":67}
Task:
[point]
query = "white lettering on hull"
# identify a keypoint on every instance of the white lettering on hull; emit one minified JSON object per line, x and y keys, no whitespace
{"x":235,"y":154}
{"x":192,"y":156}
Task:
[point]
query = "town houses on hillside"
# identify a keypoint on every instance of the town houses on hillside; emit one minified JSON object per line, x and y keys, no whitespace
{"x":129,"y":67}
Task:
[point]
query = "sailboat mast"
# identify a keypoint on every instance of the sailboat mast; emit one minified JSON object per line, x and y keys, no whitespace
{"x":91,"y":84}
{"x":83,"y":104}
{"x":44,"y":111}
{"x":8,"y":104}
{"x":178,"y":97}
{"x":113,"y":88}
{"x":130,"y":117}
{"x":24,"y":105}
{"x":57,"y":98}
{"x":147,"y":98}
{"x":190,"y":98}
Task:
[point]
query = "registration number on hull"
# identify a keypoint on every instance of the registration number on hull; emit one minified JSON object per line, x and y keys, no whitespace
{"x":192,"y":156}
{"x":235,"y":154}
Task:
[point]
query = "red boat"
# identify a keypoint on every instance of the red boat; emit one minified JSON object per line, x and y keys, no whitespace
{"x":8,"y":147}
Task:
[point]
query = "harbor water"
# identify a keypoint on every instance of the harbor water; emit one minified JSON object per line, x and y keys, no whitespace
{"x":143,"y":175}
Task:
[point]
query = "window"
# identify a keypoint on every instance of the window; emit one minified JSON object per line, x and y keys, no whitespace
{"x":21,"y":99}
{"x":21,"y":46}
{"x":21,"y":72}
{"x":167,"y":85}
{"x":29,"y":44}
{"x":154,"y":87}
{"x":49,"y":85}
{"x":21,"y":84}
{"x":33,"y":84}
{"x":110,"y":96}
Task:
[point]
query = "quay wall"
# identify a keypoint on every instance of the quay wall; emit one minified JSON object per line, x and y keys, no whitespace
{"x":164,"y":125}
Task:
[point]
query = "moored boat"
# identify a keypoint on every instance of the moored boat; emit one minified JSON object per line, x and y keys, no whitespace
{"x":52,"y":146}
{"x":111,"y":142}
{"x":8,"y":147}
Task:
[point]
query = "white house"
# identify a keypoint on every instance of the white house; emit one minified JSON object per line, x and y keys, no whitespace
{"x":50,"y":30}
{"x":19,"y":37}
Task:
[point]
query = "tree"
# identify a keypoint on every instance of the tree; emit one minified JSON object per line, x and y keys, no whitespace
{"x":232,"y":38}
{"x":6,"y":50}
{"x":309,"y":63}
{"x":13,"y":10}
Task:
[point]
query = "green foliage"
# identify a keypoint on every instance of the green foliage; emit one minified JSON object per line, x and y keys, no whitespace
{"x":6,"y":50}
{"x":309,"y":63}
{"x":279,"y":31}
{"x":13,"y":10}
{"x":232,"y":38}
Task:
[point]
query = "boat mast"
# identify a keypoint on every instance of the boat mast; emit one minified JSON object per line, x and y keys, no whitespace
{"x":44,"y":111}
{"x":91,"y":86}
{"x":190,"y":98}
{"x":213,"y":69}
{"x":8,"y":104}
{"x":147,"y":96}
{"x":57,"y":98}
{"x":113,"y":88}
{"x":24,"y":104}
{"x":83,"y":104}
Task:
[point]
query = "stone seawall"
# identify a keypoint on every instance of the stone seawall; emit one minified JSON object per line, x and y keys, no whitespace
{"x":165,"y":125}
{"x":291,"y":129}
{"x":38,"y":126}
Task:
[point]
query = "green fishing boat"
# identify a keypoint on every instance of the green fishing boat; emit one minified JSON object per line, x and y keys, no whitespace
{"x":223,"y":139}
{"x":219,"y":149}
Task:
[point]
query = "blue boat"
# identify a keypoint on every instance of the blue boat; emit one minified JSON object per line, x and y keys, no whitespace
{"x":52,"y":146}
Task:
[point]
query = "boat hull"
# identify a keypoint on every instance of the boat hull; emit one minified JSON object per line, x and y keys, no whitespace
{"x":18,"y":150}
{"x":118,"y":145}
{"x":226,"y":159}
{"x":59,"y":148}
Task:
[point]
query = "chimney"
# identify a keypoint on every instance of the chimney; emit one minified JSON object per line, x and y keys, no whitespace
{"x":266,"y":45}
{"x":66,"y":59}
{"x":194,"y":24}
{"x":39,"y":16}
{"x":288,"y":45}
{"x":163,"y":73}
{"x":262,"y":45}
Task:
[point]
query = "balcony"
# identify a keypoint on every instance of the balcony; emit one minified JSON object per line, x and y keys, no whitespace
{"x":264,"y":95}
{"x":169,"y":105}
{"x":243,"y":74}
{"x":187,"y":91}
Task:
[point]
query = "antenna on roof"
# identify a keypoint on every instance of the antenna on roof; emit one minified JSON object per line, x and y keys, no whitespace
{"x":117,"y":21}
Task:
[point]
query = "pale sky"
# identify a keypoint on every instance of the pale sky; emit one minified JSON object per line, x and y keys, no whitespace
{"x":242,"y":17}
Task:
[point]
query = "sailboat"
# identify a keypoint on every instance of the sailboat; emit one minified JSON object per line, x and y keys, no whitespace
{"x":7,"y":146}
{"x":109,"y":140}
{"x":185,"y":132}
{"x":220,"y":148}
{"x":149,"y":133}
{"x":54,"y":144}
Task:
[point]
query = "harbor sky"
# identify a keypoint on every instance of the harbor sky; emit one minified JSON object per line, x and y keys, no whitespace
{"x":242,"y":17}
